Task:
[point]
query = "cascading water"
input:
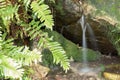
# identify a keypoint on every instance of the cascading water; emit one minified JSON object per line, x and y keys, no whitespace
{"x":85,"y":69}
{"x":92,"y":36}
{"x":84,"y":26}
{"x":84,"y":44}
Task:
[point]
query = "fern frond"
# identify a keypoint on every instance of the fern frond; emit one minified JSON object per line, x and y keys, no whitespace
{"x":7,"y":14}
{"x":59,"y":56}
{"x":0,"y":39}
{"x":21,"y":54}
{"x":26,"y":3}
{"x":4,"y":3}
{"x":12,"y":58}
{"x":42,"y":11}
{"x":27,"y":56}
{"x":33,"y":29}
{"x":18,"y":56}
{"x":10,"y":68}
{"x":58,"y":52}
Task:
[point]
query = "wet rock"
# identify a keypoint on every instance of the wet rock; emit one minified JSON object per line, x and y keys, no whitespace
{"x":73,"y":73}
{"x":67,"y":22}
{"x":67,"y":12}
{"x":39,"y":73}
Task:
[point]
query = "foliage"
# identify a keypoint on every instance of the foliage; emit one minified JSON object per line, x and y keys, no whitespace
{"x":12,"y":58}
{"x":20,"y":19}
{"x":43,"y":13}
{"x":56,"y":50}
{"x":114,"y":36}
{"x":111,"y":7}
{"x":45,"y":42}
{"x":72,"y":49}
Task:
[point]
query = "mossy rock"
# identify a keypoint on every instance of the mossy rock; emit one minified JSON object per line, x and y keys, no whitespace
{"x":72,"y":50}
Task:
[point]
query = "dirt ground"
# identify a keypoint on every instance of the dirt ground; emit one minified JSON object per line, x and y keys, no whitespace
{"x":74,"y":74}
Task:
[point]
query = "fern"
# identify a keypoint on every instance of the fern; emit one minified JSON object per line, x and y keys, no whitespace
{"x":22,"y":56}
{"x":33,"y":29}
{"x":26,"y":3}
{"x":10,"y":68}
{"x":59,"y":55}
{"x":7,"y":14}
{"x":16,"y":56}
{"x":42,"y":11}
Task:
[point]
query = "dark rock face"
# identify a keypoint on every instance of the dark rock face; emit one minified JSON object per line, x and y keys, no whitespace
{"x":67,"y":23}
{"x":67,"y":13}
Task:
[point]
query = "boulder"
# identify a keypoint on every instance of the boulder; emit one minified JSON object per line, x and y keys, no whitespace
{"x":67,"y":22}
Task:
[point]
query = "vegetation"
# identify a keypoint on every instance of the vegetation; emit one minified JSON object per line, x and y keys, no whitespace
{"x":73,"y":50}
{"x":21,"y":19}
{"x":114,"y":37}
{"x":26,"y":36}
{"x":110,"y":8}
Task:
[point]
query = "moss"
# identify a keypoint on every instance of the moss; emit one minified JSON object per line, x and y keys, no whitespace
{"x":72,"y":50}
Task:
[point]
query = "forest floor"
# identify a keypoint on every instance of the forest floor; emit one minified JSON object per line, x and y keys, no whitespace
{"x":75,"y":74}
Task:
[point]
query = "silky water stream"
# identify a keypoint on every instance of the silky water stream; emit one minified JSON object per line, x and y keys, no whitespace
{"x":83,"y":69}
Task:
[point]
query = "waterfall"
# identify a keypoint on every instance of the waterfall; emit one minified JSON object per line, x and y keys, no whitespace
{"x":84,"y":44}
{"x":92,"y":36}
{"x":85,"y":26}
{"x":85,"y":70}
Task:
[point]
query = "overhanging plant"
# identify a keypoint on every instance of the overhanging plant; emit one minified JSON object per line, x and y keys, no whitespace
{"x":26,"y":18}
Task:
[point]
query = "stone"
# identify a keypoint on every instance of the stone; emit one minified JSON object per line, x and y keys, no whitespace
{"x":67,"y":12}
{"x":67,"y":23}
{"x":40,"y":71}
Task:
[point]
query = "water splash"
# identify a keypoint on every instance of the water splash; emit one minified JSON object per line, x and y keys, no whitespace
{"x":84,"y":26}
{"x":85,"y":69}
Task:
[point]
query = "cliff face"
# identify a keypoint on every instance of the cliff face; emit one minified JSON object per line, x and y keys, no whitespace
{"x":67,"y":17}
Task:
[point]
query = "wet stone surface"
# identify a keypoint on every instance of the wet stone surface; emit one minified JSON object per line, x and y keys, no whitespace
{"x":75,"y":74}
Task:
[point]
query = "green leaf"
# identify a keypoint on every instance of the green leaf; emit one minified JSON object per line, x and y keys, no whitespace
{"x":10,"y":67}
{"x":59,"y":55}
{"x":43,"y":12}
